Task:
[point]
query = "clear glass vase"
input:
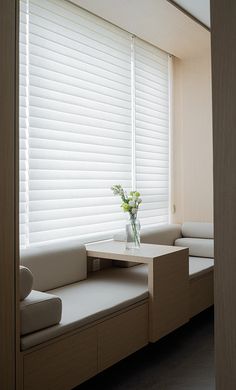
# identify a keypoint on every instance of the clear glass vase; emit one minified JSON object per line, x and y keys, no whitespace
{"x":133,"y":233}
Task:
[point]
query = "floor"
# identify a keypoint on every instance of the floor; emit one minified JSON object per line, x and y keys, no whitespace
{"x":181,"y":361}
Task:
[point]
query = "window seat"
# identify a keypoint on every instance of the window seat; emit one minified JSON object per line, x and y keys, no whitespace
{"x":199,"y":266}
{"x":105,"y":314}
{"x":101,"y":294}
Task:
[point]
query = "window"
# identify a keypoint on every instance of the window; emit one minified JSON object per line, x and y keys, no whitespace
{"x":94,"y":111}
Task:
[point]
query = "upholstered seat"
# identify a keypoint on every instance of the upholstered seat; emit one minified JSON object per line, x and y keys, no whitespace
{"x":38,"y":311}
{"x":61,"y":272}
{"x":199,"y":266}
{"x":103,"y":293}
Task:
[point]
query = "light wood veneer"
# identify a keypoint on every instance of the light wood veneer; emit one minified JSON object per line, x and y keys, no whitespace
{"x":201,"y":293}
{"x":67,"y":361}
{"x":168,"y":281}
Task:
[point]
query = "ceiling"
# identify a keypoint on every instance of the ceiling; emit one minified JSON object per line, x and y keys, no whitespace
{"x":200,"y":9}
{"x":156,"y":21}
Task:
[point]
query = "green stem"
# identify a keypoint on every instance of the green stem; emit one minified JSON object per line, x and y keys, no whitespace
{"x":134,"y":229}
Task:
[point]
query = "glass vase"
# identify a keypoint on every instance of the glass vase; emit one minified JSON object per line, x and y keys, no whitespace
{"x":133,"y":233}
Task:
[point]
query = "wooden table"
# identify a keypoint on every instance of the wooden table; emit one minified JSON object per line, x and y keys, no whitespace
{"x":168,"y":281}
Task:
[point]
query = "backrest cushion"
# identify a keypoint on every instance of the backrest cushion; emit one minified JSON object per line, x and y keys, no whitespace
{"x":55,"y":265}
{"x":161,"y":235}
{"x":200,"y":247}
{"x":198,"y":230}
{"x":26,"y":282}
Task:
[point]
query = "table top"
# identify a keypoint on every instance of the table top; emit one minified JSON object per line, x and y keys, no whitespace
{"x":116,"y":250}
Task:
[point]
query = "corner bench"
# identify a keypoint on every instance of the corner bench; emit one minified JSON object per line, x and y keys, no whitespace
{"x":104,"y":319}
{"x":105,"y":315}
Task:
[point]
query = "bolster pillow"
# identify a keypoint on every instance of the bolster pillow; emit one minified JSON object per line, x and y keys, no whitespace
{"x":26,"y":282}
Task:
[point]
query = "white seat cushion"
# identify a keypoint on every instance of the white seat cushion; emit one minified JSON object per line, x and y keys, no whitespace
{"x":38,"y":311}
{"x":199,"y":266}
{"x":197,"y":230}
{"x":103,"y":293}
{"x":201,"y":247}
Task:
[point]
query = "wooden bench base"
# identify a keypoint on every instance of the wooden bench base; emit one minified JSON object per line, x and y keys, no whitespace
{"x":201,"y":293}
{"x":69,"y":360}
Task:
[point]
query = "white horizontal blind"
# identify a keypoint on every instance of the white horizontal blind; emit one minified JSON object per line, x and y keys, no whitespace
{"x":152,"y":132}
{"x":78,"y":82}
{"x":79,"y":122}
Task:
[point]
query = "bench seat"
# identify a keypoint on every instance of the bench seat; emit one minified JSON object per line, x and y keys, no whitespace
{"x":103,"y":293}
{"x":199,"y":266}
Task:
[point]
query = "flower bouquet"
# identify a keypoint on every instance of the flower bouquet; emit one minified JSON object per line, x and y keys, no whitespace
{"x":130,"y":204}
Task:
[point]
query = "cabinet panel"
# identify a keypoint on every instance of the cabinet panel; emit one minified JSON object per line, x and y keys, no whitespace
{"x":122,"y":335}
{"x":63,"y":364}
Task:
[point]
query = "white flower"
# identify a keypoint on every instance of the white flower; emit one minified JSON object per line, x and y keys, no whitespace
{"x":132,"y":203}
{"x":134,"y":211}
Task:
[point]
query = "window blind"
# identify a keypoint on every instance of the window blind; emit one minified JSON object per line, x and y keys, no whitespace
{"x":88,"y":90}
{"x":152,"y":132}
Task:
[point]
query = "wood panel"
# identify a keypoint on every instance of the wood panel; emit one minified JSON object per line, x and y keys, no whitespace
{"x":223,"y":29}
{"x":63,"y":364}
{"x":201,"y":293}
{"x":8,"y":192}
{"x":168,"y":284}
{"x":122,"y":335}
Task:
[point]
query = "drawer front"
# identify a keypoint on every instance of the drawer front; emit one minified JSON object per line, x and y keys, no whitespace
{"x":122,"y":335}
{"x":64,"y":364}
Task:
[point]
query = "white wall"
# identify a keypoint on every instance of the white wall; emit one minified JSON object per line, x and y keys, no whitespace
{"x":156,"y":21}
{"x":192,"y":189}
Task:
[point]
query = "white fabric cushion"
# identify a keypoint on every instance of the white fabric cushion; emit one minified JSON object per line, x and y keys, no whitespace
{"x":38,"y":311}
{"x":199,"y":266}
{"x":160,"y":235}
{"x":197,"y":230}
{"x":26,"y":282}
{"x":103,"y":293}
{"x":200,"y":247}
{"x":55,"y":265}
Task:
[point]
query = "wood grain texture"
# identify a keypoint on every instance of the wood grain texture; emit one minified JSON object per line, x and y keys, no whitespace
{"x":122,"y":335}
{"x":168,"y":281}
{"x":63,"y":364}
{"x":8,"y":192}
{"x":168,"y":285}
{"x":201,"y":293}
{"x":223,"y":14}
